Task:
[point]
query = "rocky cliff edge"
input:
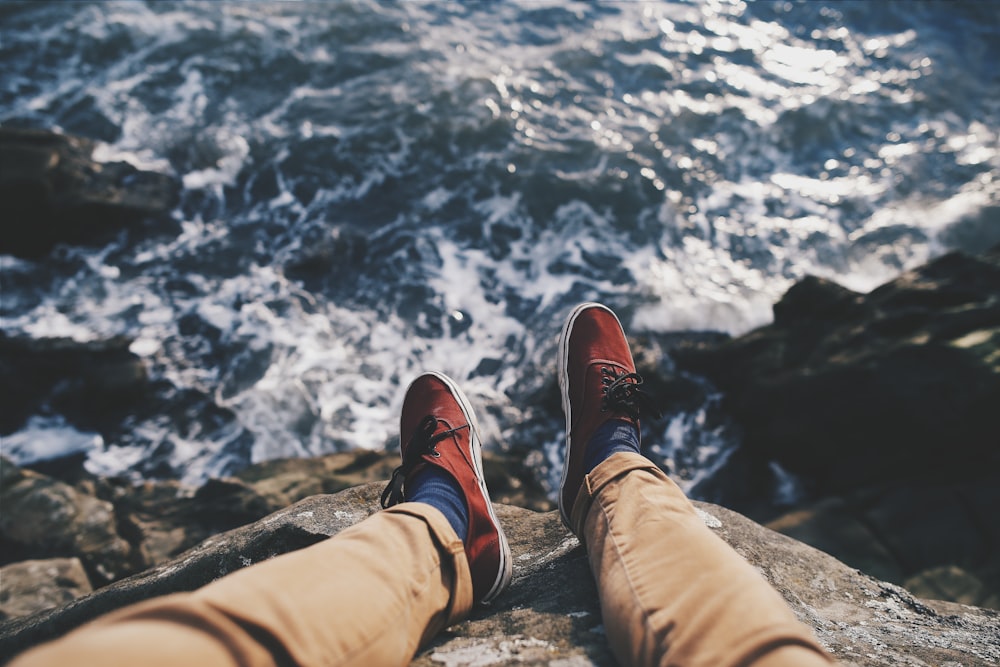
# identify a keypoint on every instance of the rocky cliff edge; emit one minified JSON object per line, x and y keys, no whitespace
{"x":550,"y":614}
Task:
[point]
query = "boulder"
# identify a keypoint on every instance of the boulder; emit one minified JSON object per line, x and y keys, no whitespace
{"x":848,"y":389}
{"x":54,"y":192}
{"x":883,"y":408}
{"x":935,"y":538}
{"x":44,"y":518}
{"x":551,"y":613}
{"x":35,"y":585}
{"x":118,"y":528}
{"x":93,"y":384}
{"x":166,"y":518}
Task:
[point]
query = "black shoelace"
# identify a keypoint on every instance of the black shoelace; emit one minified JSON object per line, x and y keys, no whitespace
{"x":422,"y":442}
{"x":623,"y":393}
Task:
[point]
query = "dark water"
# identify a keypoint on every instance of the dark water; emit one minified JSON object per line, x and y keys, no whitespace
{"x":374,"y":189}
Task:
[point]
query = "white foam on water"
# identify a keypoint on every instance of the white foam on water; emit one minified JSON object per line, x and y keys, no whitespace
{"x":94,"y":304}
{"x":788,"y":489}
{"x":47,"y":438}
{"x":307,"y":399}
{"x":690,"y":448}
{"x":49,"y":322}
{"x":111,"y":460}
{"x":706,"y":104}
{"x":144,"y":159}
{"x":235,"y":150}
{"x":700,"y":287}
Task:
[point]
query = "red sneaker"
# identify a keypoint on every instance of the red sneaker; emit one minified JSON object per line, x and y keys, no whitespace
{"x":438,"y":427}
{"x":598,"y":382}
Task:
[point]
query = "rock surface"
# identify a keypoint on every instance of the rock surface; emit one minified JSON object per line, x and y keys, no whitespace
{"x":118,"y":529}
{"x":92,"y":384}
{"x":848,"y":389}
{"x":53,"y":192}
{"x":550,"y":614}
{"x":939,"y":540}
{"x":36,"y":585}
{"x":884,"y":405}
{"x":43,"y":517}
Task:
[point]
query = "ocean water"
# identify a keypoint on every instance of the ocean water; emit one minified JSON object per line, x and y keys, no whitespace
{"x":373,"y":189}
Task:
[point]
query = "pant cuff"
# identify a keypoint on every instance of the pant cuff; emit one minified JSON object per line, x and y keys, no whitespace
{"x":453,"y":558}
{"x":605,"y":472}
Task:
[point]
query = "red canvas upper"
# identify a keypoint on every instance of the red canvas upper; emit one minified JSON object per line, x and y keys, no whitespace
{"x":486,"y":548}
{"x":593,"y":352}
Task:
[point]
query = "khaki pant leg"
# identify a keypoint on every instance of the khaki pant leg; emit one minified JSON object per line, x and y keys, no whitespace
{"x":370,"y":595}
{"x":672,"y":592}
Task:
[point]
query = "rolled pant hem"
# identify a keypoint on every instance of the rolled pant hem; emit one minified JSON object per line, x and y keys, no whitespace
{"x":607,"y":471}
{"x":672,"y":591}
{"x":453,"y":549}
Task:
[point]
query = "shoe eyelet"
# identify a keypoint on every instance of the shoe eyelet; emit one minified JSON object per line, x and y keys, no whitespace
{"x":435,"y":453}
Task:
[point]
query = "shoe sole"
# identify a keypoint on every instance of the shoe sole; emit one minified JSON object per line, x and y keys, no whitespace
{"x":563,"y":362}
{"x":504,"y":573}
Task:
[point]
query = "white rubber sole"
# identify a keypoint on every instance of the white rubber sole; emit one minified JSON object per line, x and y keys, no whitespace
{"x":476,"y":454}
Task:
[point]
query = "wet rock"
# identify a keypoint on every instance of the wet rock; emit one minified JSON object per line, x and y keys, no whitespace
{"x":937,"y":539}
{"x":269,"y":486}
{"x":54,"y":192}
{"x":512,"y":479}
{"x":93,"y":384}
{"x":848,"y":389}
{"x":36,"y":585}
{"x":883,"y":407}
{"x":282,"y":482}
{"x":160,"y":519}
{"x":45,"y":518}
{"x":118,"y":528}
{"x":157,"y":519}
{"x":950,"y":582}
{"x":551,"y":613}
{"x":163,"y":518}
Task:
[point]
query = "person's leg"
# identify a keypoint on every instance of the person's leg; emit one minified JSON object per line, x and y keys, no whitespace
{"x":370,"y":595}
{"x":443,"y":464}
{"x":671,"y":591}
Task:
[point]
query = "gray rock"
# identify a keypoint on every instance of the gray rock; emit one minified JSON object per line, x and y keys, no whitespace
{"x":43,"y":518}
{"x":53,"y":192}
{"x":849,"y":389}
{"x":35,"y":585}
{"x":936,"y":539}
{"x":94,"y":384}
{"x":550,"y":614}
{"x":882,"y":406}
